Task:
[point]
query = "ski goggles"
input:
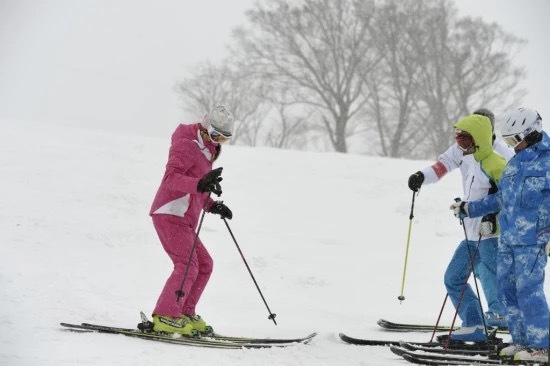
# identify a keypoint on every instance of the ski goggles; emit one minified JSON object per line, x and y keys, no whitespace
{"x":218,"y":136}
{"x":464,"y":140}
{"x":513,"y":140}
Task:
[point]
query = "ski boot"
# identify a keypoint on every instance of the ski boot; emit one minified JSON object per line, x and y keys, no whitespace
{"x":199,"y":324}
{"x":168,"y":324}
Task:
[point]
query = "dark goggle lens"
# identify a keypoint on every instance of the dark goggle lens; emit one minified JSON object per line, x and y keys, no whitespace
{"x":219,"y":137}
{"x":464,"y":140}
{"x":513,"y":140}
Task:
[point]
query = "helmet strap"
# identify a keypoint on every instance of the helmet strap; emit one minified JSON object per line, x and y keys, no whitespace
{"x":205,"y":135}
{"x":533,"y":138}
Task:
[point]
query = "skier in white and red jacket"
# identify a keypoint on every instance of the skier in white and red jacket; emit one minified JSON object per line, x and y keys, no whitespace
{"x":448,"y":161}
{"x":183,"y":194}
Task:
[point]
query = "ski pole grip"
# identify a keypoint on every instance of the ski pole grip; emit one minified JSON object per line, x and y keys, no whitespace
{"x":457,"y":199}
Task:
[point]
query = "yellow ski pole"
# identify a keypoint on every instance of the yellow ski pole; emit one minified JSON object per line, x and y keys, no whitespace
{"x":401,"y":297}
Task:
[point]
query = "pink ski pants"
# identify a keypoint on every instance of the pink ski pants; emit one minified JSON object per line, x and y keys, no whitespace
{"x":177,"y":240}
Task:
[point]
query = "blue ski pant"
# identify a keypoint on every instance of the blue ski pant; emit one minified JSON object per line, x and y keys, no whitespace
{"x":460,"y":292}
{"x":487,"y":276}
{"x":521,"y":285}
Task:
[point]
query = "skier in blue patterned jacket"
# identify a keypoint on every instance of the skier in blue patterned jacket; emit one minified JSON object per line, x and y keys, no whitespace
{"x":523,"y":200}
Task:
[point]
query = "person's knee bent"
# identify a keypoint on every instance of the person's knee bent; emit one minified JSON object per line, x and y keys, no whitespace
{"x":181,"y":266}
{"x":206,"y":265}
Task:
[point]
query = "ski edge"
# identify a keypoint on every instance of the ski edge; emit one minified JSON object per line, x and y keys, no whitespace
{"x":408,"y":327}
{"x":424,"y":359}
{"x":159,"y":338}
{"x":226,"y":342}
{"x":378,"y":342}
{"x":404,"y":327}
{"x":400,"y":351}
{"x":236,"y":339}
{"x":365,"y":342}
{"x":481,"y":351}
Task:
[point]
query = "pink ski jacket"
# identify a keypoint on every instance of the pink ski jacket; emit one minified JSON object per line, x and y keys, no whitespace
{"x":189,"y":159}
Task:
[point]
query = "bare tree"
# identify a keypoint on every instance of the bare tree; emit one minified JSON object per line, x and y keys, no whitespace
{"x":434,"y":105}
{"x":289,"y":126}
{"x":468,"y":66}
{"x":394,"y":73}
{"x":393,"y":87}
{"x":437,"y":68}
{"x":320,"y":49}
{"x":212,"y":85}
{"x":208,"y":86}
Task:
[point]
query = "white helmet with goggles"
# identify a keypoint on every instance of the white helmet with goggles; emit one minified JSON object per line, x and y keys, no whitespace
{"x":520,"y":123}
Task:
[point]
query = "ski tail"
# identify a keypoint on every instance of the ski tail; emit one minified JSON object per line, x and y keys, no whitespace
{"x":408,"y":327}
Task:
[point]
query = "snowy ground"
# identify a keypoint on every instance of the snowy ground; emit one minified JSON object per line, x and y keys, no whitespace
{"x":324,"y":233}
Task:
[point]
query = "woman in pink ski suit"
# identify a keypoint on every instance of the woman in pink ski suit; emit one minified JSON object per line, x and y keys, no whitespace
{"x":183,"y":193}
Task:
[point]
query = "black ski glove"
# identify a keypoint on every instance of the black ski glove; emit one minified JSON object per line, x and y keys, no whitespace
{"x":415,"y":181}
{"x":211,"y":182}
{"x":219,"y":208}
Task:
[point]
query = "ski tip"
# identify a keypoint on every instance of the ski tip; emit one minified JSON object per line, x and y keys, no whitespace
{"x":309,"y":336}
{"x":399,"y":351}
{"x":346,"y":338}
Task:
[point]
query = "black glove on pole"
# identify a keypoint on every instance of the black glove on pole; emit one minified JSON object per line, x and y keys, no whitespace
{"x":219,"y":208}
{"x":415,"y":181}
{"x":271,"y":315}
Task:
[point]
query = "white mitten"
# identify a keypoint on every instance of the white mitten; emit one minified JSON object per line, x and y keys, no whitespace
{"x":486,"y":228}
{"x":460,"y":209}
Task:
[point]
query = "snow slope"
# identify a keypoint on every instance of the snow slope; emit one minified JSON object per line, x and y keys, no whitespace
{"x":324,"y":234}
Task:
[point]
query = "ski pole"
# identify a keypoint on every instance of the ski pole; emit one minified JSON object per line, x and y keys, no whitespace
{"x":475,"y":278}
{"x":470,"y":271}
{"x":457,"y":199}
{"x":271,"y":315}
{"x":401,"y":297}
{"x":472,"y":263}
{"x":464,"y":287}
{"x":180,"y":293}
{"x":439,"y":317}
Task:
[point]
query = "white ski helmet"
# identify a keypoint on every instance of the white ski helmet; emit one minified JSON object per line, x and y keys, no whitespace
{"x":220,"y":121}
{"x":519,"y":123}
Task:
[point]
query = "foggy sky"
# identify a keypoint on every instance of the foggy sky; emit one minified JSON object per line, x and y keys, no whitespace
{"x":115,"y":63}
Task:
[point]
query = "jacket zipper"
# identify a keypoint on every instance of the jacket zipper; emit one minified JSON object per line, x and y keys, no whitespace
{"x":470,"y":189}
